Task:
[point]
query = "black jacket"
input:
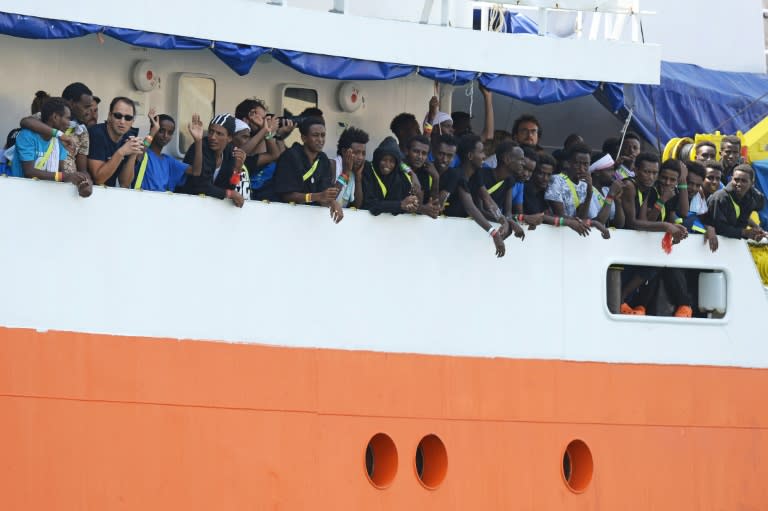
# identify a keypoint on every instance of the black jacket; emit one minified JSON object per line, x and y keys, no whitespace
{"x":722,"y":214}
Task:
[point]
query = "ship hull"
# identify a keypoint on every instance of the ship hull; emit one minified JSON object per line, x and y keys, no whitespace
{"x":115,"y":422}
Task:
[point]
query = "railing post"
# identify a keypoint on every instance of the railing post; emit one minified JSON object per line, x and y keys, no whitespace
{"x":426,"y":11}
{"x":445,"y":13}
{"x":338,"y":6}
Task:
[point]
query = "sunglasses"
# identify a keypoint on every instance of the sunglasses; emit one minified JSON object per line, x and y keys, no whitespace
{"x":119,"y":116}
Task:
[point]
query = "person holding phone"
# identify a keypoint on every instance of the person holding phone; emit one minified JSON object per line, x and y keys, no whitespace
{"x":114,"y":145}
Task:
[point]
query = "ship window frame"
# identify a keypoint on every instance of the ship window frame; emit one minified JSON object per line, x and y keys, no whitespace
{"x":718,"y":321}
{"x":294,"y":136}
{"x":184,"y":114}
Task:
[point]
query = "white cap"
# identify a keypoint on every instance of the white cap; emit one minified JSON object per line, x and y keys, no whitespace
{"x":603,"y":163}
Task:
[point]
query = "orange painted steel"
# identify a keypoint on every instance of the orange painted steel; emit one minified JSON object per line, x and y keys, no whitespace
{"x":113,"y":423}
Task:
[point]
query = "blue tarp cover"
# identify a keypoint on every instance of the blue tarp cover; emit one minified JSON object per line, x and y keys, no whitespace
{"x":691,"y":99}
{"x":240,"y":58}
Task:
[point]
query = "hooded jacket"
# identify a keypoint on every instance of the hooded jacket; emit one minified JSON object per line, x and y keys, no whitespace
{"x":383,"y":194}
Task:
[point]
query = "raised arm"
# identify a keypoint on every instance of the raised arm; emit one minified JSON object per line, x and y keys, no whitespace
{"x":583,"y":210}
{"x":195,"y":128}
{"x":489,"y":119}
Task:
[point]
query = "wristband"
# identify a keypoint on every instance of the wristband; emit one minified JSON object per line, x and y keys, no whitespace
{"x":588,"y":222}
{"x":682,"y":187}
{"x":269,"y":136}
{"x":494,"y":233}
{"x":57,"y":177}
{"x":308,"y":198}
{"x":489,"y":231}
{"x":229,"y":194}
{"x":659,"y":205}
{"x":562,"y":221}
{"x":609,"y":201}
{"x":556,"y":221}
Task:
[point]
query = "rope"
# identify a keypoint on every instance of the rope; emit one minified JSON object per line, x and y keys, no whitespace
{"x":739,"y":112}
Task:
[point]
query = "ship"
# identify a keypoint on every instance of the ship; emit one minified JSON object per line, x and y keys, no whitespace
{"x":167,"y":351}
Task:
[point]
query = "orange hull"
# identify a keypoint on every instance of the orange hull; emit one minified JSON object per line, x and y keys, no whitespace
{"x":102,"y":422}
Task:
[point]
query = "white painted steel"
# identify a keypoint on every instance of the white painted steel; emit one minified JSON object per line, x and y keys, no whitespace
{"x":151,"y":264}
{"x":368,"y":38}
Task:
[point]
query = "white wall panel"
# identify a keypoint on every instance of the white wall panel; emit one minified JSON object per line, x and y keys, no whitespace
{"x":150,"y":264}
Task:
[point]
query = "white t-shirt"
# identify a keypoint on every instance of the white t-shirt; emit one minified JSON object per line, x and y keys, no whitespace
{"x":347,"y":193}
{"x":698,"y":205}
{"x":561,"y":190}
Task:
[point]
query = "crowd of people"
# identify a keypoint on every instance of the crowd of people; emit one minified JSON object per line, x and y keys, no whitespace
{"x":503,"y":180}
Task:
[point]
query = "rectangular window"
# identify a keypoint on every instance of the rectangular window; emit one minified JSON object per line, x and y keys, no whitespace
{"x":196,"y":95}
{"x":295,"y":100}
{"x":660,"y":291}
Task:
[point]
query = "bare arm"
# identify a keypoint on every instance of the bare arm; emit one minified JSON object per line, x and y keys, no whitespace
{"x":101,"y":171}
{"x":489,"y":119}
{"x":557,"y":208}
{"x":274,"y":150}
{"x":32,"y":123}
{"x":583,"y":210}
{"x":81,"y":163}
{"x":359,"y":196}
{"x":128,"y":172}
{"x":195,"y":129}
{"x":469,"y":207}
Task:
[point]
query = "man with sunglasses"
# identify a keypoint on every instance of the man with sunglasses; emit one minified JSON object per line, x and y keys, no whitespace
{"x":114,"y":145}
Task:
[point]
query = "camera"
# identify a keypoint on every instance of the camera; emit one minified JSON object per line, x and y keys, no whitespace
{"x":297,"y":119}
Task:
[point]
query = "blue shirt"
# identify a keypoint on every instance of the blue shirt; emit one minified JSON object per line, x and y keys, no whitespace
{"x":31,"y":147}
{"x":163,"y":173}
{"x":517,"y":193}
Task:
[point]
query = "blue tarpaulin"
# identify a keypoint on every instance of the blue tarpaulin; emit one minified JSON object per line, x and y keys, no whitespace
{"x":240,"y":58}
{"x":539,"y":91}
{"x":761,"y":177}
{"x":340,"y":68}
{"x":691,"y":99}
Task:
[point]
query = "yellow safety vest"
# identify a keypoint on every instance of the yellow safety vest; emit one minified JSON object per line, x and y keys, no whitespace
{"x":46,"y":156}
{"x":494,"y":187}
{"x":736,"y":207}
{"x":311,"y":170}
{"x":142,"y":171}
{"x":576,"y":200}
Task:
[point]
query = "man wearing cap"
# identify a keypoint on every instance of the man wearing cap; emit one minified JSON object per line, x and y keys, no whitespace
{"x":607,"y":190}
{"x":303,"y":174}
{"x":220,"y":161}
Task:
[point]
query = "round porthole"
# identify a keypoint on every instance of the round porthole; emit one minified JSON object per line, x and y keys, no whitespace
{"x":577,"y":466}
{"x":381,"y":461}
{"x":431,"y":462}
